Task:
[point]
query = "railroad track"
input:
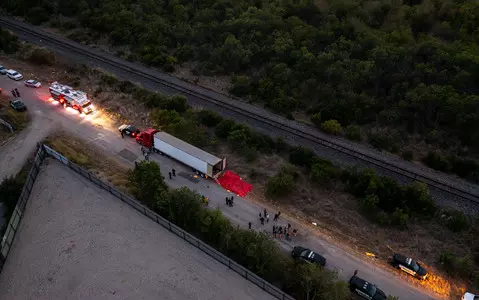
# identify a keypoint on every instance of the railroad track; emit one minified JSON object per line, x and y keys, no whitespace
{"x":228,"y":105}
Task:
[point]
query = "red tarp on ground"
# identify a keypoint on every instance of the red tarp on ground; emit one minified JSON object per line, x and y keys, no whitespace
{"x":231,"y":181}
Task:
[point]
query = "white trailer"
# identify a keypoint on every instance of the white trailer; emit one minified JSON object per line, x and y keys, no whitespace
{"x":200,"y":161}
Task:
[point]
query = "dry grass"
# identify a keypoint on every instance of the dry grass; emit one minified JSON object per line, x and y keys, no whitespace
{"x":86,"y":155}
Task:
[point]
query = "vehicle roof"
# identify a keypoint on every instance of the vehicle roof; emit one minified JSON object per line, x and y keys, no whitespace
{"x":12,"y":71}
{"x":362,"y":284}
{"x":190,"y":149}
{"x":17,"y":101}
{"x":31,"y":80}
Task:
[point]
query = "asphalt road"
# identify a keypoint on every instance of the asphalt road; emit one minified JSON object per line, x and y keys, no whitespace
{"x":103,"y":134}
{"x":443,"y":198}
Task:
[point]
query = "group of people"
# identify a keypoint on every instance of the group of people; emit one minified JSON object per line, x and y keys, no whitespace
{"x":280,"y":232}
{"x":15,"y":93}
{"x":229,"y":201}
{"x":264,"y":216}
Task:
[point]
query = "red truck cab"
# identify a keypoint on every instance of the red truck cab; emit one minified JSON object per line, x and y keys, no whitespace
{"x":145,"y":138}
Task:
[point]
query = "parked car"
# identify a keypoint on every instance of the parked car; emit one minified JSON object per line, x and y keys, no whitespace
{"x":409,"y":266}
{"x":469,"y":296}
{"x":32,"y":83}
{"x":12,"y":74}
{"x":18,"y":105}
{"x":304,"y":254}
{"x":129,"y":130}
{"x":365,"y":289}
{"x":3,"y":70}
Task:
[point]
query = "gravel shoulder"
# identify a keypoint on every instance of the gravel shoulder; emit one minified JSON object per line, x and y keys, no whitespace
{"x":78,"y":242}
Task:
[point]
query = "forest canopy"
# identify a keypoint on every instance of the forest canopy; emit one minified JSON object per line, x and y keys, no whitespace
{"x":407,"y":64}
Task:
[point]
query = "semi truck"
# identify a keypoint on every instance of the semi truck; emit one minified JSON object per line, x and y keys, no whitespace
{"x":202,"y":162}
{"x":67,"y":96}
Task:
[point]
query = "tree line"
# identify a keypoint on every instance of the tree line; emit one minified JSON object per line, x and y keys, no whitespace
{"x":410,"y":66}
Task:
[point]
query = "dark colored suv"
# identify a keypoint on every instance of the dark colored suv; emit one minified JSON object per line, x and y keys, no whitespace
{"x":365,"y":289}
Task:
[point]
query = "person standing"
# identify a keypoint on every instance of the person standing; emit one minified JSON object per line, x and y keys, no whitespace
{"x":249,"y":225}
{"x":267,"y":218}
{"x":231,"y":201}
{"x":174,"y":172}
{"x":275,"y":217}
{"x":16,"y":91}
{"x":13,"y":93}
{"x":274,"y":231}
{"x":169,"y":174}
{"x":264,"y":211}
{"x":262,"y":220}
{"x":227,"y":201}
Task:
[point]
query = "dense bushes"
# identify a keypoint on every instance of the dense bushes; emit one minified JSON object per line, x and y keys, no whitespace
{"x":10,"y":190}
{"x":8,"y":43}
{"x":249,"y":248}
{"x":457,"y":266}
{"x":331,"y":126}
{"x":42,"y":56}
{"x":381,"y":195}
{"x":282,"y":183}
{"x":410,"y":65}
{"x":466,"y":168}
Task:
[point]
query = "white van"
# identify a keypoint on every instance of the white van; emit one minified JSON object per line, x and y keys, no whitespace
{"x":12,"y":74}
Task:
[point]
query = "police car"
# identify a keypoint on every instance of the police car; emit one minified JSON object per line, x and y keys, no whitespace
{"x":409,"y":266}
{"x":365,"y":289}
{"x":307,"y":255}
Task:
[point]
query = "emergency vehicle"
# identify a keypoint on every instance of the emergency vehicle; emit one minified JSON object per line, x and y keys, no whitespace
{"x":67,"y":96}
{"x":408,"y":265}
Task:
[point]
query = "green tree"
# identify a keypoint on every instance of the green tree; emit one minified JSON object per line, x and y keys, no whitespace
{"x":281,"y":184}
{"x":8,"y":43}
{"x":224,"y":127}
{"x":323,"y":172}
{"x":209,"y":118}
{"x":239,"y":137}
{"x":147,"y":182}
{"x":353,"y":132}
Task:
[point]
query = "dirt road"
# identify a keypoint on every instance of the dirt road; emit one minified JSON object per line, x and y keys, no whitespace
{"x":103,"y":134}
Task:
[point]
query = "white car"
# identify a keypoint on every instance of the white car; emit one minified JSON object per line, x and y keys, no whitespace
{"x":469,"y":296}
{"x":12,"y":74}
{"x":32,"y":83}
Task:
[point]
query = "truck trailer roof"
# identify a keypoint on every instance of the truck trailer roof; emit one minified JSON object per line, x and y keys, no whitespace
{"x":190,"y":149}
